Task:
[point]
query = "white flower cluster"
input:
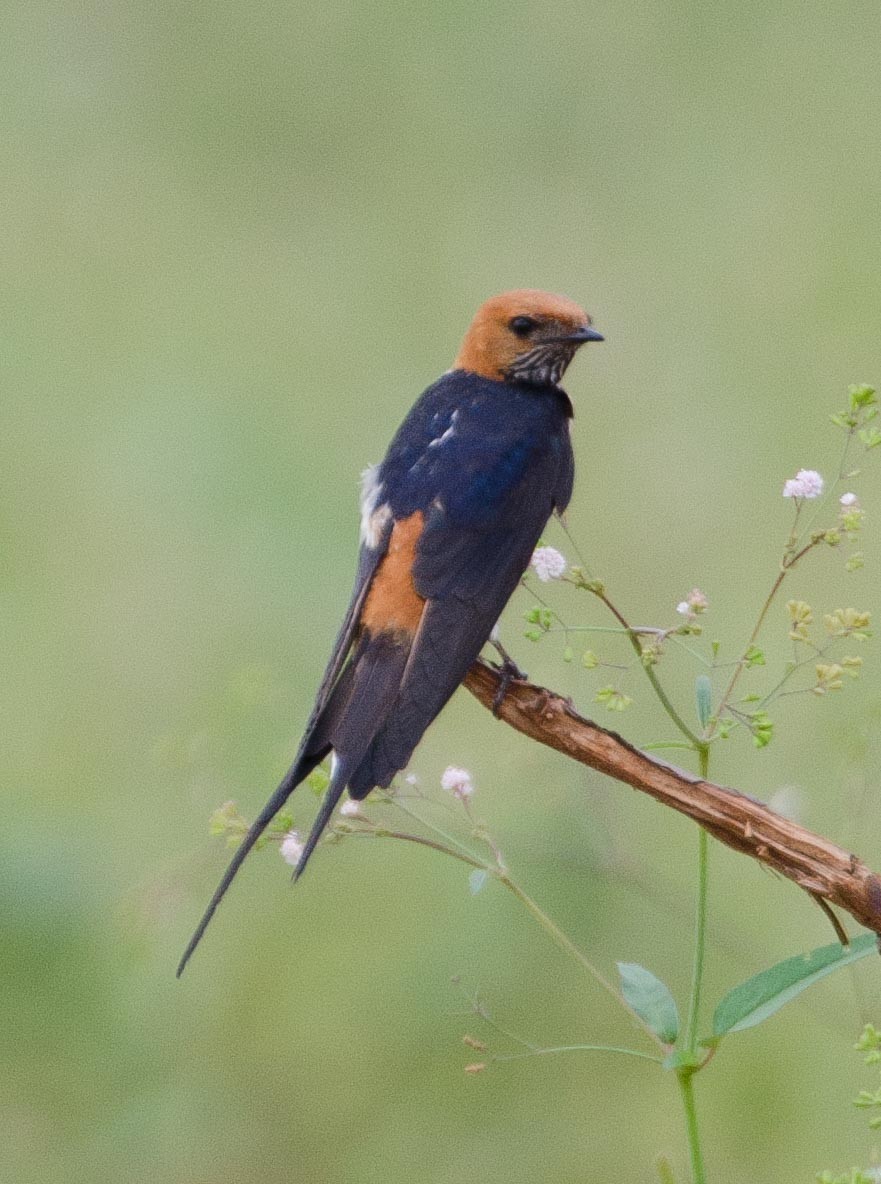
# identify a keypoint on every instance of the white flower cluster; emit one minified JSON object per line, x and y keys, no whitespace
{"x":806,"y":483}
{"x":848,"y":500}
{"x":457,"y":782}
{"x":292,"y":848}
{"x":696,"y":602}
{"x":549,"y":564}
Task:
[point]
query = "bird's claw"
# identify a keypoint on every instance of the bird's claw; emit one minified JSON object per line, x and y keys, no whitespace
{"x":509,"y":672}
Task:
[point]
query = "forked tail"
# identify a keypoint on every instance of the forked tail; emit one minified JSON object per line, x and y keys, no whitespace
{"x":300,"y":769}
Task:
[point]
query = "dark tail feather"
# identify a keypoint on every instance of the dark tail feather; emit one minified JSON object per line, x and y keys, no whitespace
{"x":332,"y":795}
{"x":358,"y":706}
{"x":300,"y":769}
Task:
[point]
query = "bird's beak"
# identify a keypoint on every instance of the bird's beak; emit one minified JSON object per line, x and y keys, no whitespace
{"x":584,"y":333}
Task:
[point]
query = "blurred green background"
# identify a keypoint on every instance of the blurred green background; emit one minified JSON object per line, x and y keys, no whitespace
{"x":238,"y":241}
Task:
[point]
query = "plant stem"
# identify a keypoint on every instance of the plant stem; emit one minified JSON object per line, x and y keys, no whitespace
{"x":700,"y":936}
{"x":570,"y":948}
{"x":541,"y":1052}
{"x":634,"y":635}
{"x":383,"y":832}
{"x":687,"y":1071}
{"x":729,"y":690}
{"x":787,"y":564}
{"x":700,"y":925}
{"x":686,"y":1088}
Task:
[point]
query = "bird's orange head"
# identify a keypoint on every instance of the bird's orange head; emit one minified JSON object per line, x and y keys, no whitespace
{"x":525,"y":336}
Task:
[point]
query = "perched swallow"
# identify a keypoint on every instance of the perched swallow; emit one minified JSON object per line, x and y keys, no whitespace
{"x":449,"y":522}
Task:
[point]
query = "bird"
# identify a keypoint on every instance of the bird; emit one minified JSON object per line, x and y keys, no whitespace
{"x":449,"y":522}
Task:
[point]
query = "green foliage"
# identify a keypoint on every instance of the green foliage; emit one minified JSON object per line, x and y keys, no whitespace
{"x":318,"y":780}
{"x":650,"y":999}
{"x":762,"y":728}
{"x":703,"y":693}
{"x":869,"y":1043}
{"x":848,"y":622}
{"x":764,"y":994}
{"x":801,"y":616}
{"x":226,"y":821}
{"x":854,"y":1176}
{"x":613,"y":698}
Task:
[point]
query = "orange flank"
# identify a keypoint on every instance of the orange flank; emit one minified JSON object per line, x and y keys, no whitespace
{"x":492,"y":344}
{"x":393,"y":605}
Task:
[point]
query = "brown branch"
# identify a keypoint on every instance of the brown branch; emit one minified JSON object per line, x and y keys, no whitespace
{"x":825,"y":871}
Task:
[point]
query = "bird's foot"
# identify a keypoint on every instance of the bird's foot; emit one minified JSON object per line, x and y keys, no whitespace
{"x":509,"y":672}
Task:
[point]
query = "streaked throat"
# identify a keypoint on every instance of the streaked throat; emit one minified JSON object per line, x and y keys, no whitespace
{"x":542,"y":366}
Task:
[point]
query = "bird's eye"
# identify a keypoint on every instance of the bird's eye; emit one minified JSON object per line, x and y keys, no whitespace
{"x":522,"y":325}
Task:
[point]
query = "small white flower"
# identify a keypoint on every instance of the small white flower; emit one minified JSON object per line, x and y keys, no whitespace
{"x":683,"y":608}
{"x":697,"y":601}
{"x":806,"y":483}
{"x":457,"y":782}
{"x":848,"y":499}
{"x":549,"y":564}
{"x":292,"y":848}
{"x":350,"y":808}
{"x":811,"y":481}
{"x":411,"y":779}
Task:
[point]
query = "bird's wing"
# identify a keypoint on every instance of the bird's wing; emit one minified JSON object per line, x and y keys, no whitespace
{"x":369,"y":560}
{"x":467,"y":573}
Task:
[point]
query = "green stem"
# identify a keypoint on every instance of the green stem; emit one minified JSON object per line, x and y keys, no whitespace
{"x":741,"y":665}
{"x":700,"y":939}
{"x":541,"y":1052}
{"x":687,"y":1071}
{"x":686,"y":1087}
{"x":787,"y":564}
{"x":700,"y":926}
{"x":383,"y":832}
{"x":451,"y":840}
{"x":573,"y":951}
{"x":665,"y":702}
{"x":634,"y":635}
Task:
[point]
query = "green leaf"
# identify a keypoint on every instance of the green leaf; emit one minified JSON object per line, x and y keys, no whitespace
{"x":861,"y":395}
{"x":318,"y":781}
{"x":703,"y":693}
{"x":614,"y":699}
{"x":764,"y":994}
{"x":650,"y":999}
{"x":476,"y":880}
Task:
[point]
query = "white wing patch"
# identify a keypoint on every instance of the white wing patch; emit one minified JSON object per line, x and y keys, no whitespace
{"x":374,"y":513}
{"x":451,"y":431}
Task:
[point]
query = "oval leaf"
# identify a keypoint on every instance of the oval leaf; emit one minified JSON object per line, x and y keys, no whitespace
{"x":763,"y":994}
{"x":650,"y":999}
{"x":703,"y":694}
